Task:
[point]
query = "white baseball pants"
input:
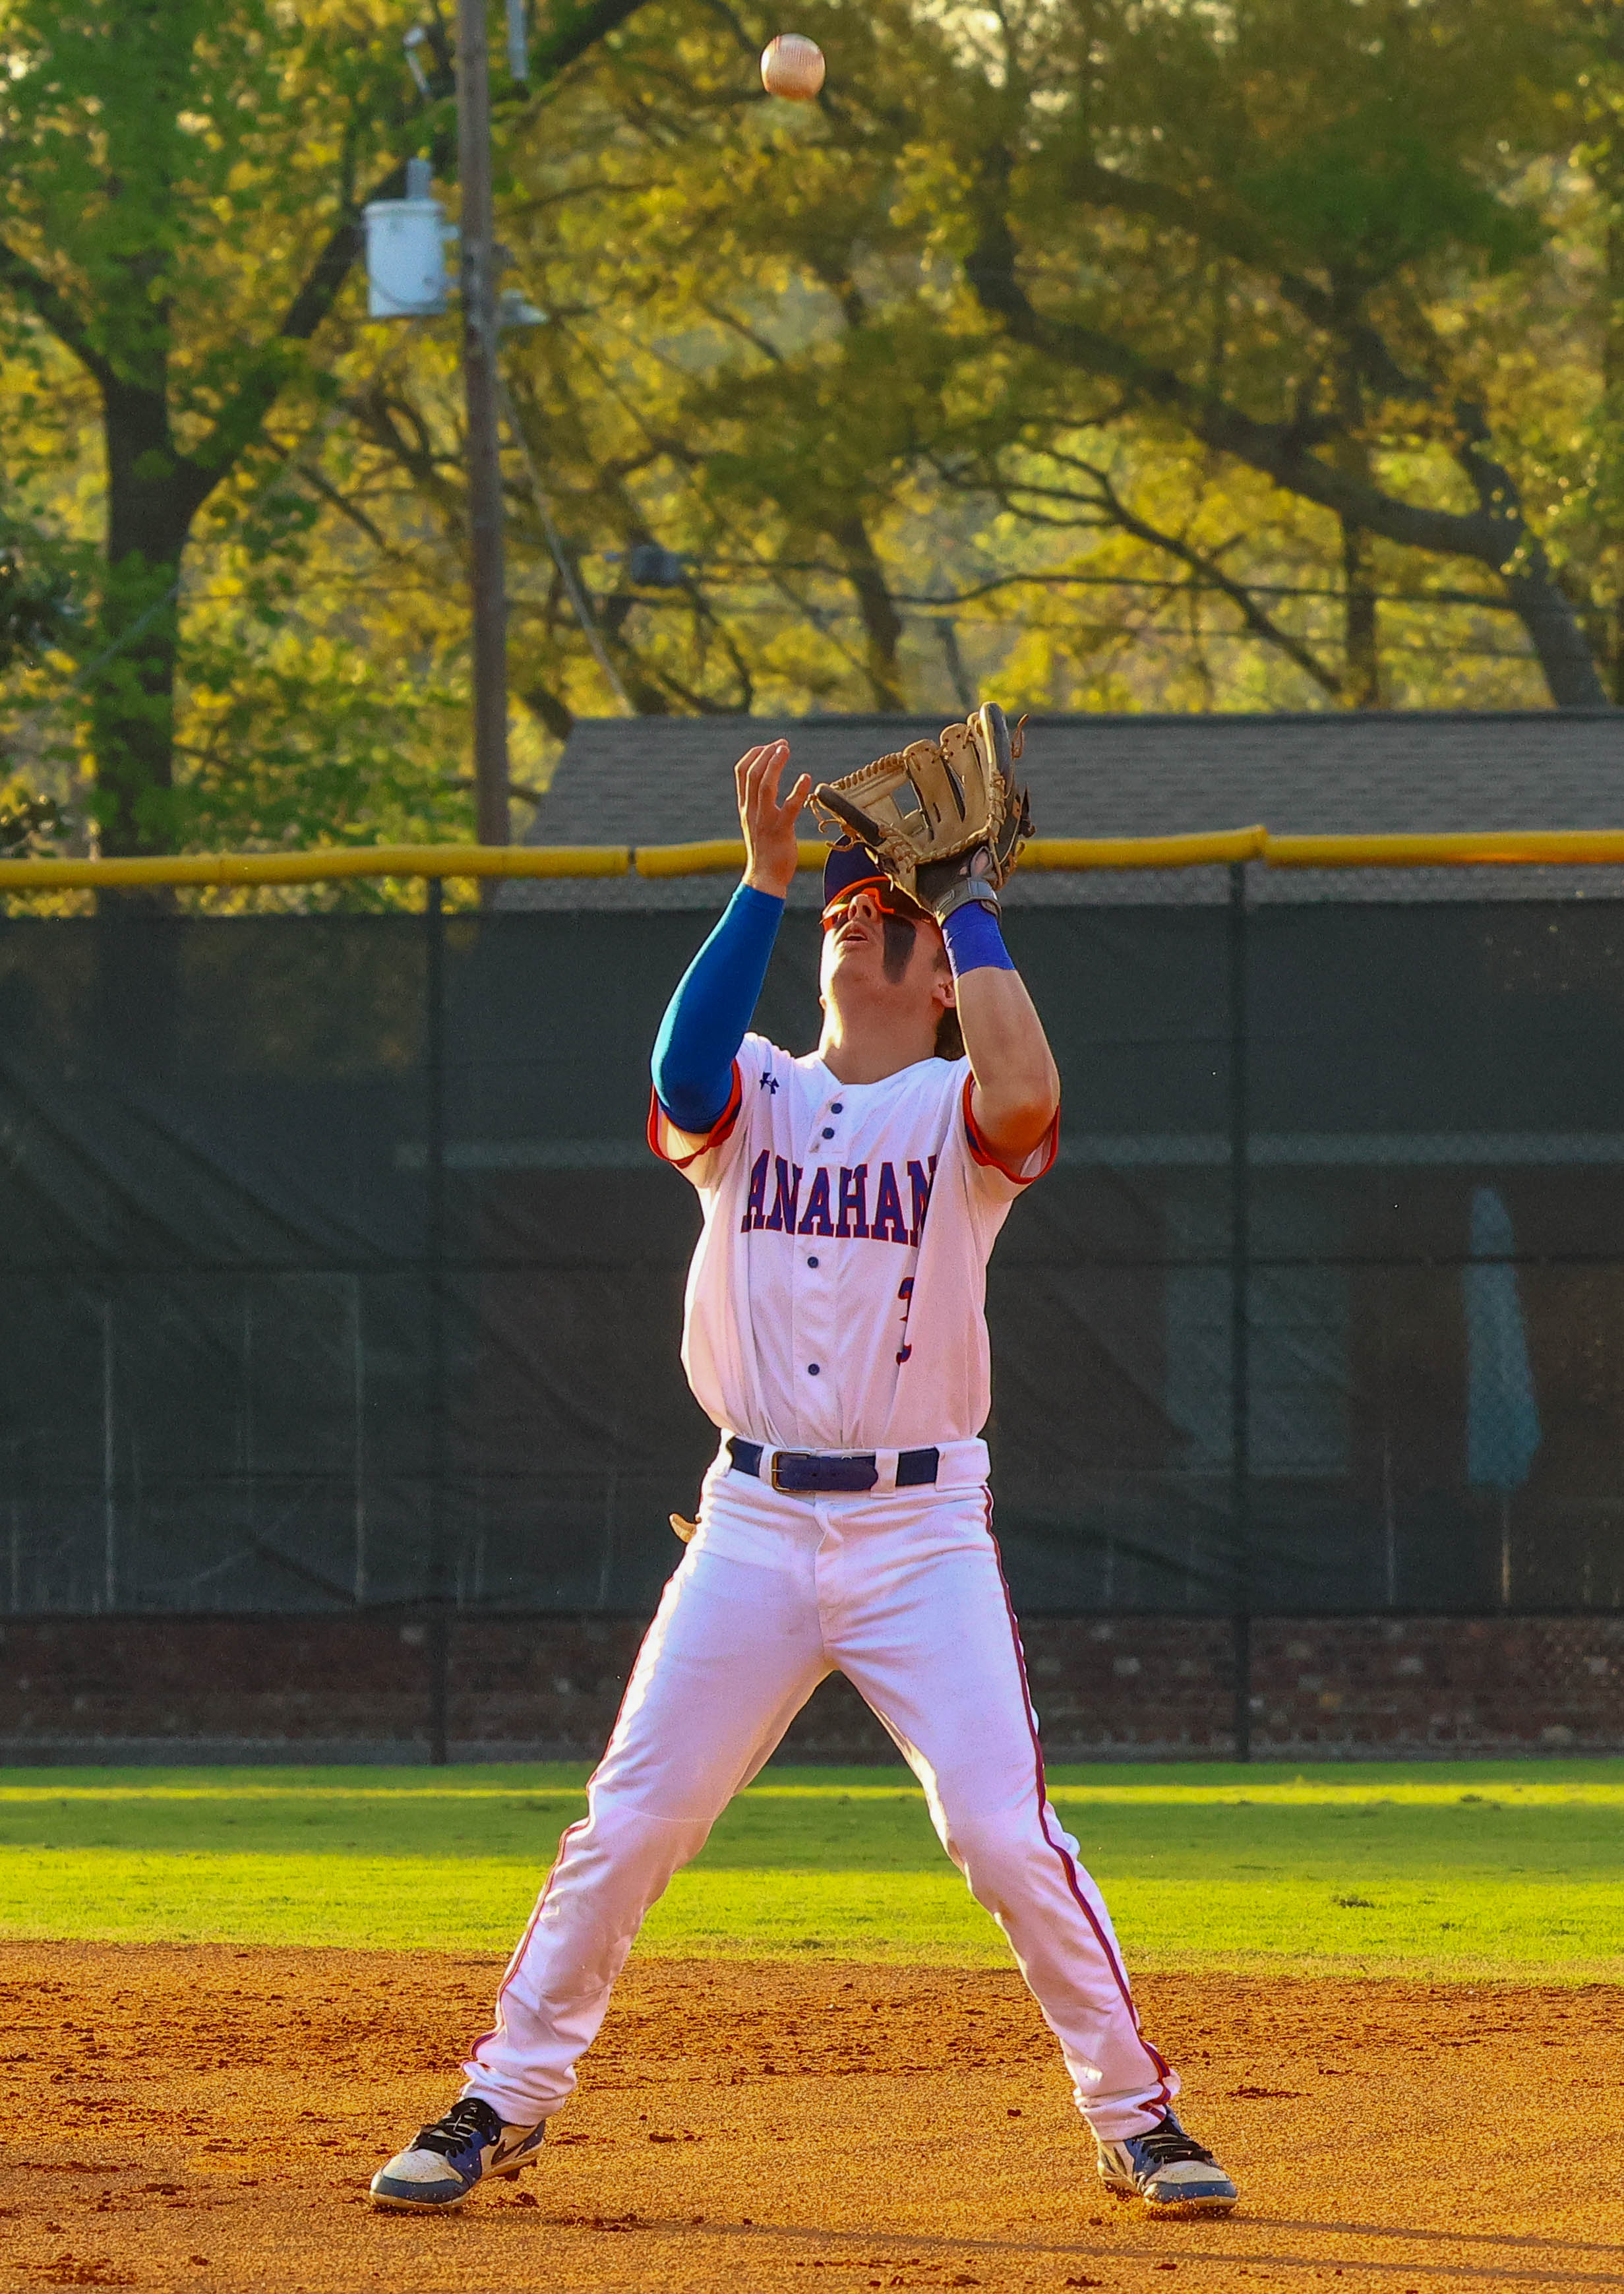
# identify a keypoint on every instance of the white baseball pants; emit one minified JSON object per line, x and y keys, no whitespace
{"x":902,"y":1593}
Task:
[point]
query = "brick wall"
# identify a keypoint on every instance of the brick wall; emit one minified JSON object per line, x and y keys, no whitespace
{"x":1439,"y":1687}
{"x":293,"y":1689}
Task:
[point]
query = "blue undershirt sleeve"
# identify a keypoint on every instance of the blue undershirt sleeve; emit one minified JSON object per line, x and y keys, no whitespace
{"x":706,"y":1019}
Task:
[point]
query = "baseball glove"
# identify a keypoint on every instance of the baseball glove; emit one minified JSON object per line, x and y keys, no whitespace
{"x":943,"y":819}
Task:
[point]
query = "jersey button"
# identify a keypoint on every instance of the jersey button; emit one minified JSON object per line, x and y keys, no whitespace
{"x":813,"y":1368}
{"x":828,"y":1133}
{"x":811,"y":1262}
{"x":835,"y":1108}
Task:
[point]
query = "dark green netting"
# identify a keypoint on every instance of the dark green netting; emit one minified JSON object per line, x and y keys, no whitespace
{"x":241,"y":1366}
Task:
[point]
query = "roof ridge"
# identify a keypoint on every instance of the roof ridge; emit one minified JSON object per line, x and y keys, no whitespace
{"x":1364,"y":719}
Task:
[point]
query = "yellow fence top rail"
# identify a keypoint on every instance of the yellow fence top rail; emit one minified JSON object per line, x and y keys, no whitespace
{"x":1535,"y":848}
{"x":323,"y":866}
{"x":1216,"y":848}
{"x":1519,"y":847}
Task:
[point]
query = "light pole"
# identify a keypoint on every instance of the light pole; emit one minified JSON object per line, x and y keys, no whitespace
{"x":486,"y":581}
{"x":406,"y":280}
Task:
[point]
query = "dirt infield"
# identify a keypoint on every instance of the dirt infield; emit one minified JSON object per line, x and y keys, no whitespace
{"x":207,"y":2118}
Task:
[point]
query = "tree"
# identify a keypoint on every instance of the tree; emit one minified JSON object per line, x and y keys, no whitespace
{"x":1560,"y":348}
{"x":1086,"y":352}
{"x":34,"y":606}
{"x":178,"y":209}
{"x":1257,"y":227}
{"x":1207,"y":315}
{"x":728,"y":392}
{"x":35,"y":610}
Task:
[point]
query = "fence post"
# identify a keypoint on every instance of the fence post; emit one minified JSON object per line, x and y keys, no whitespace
{"x":436,"y":1586}
{"x":1240,"y":1324}
{"x":109,"y":1460}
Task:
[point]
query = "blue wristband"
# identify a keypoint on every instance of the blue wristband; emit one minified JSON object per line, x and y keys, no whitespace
{"x":974,"y":941}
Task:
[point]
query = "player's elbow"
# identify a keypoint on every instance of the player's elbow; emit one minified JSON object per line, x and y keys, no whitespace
{"x":692,"y":1091}
{"x":1016,"y":1121}
{"x":1016,"y":1103}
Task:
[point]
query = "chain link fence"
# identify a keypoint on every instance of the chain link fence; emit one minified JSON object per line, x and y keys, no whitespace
{"x":337,"y":1274}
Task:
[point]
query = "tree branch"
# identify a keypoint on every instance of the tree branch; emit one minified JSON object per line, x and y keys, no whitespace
{"x":341,"y":503}
{"x":1544,"y":611}
{"x":1277,"y":450}
{"x":742,"y":327}
{"x":550,"y":707}
{"x":881,"y":622}
{"x":1213,"y":575}
{"x":1495,"y":534}
{"x":52,"y":308}
{"x":1228,"y":233}
{"x":575,"y":29}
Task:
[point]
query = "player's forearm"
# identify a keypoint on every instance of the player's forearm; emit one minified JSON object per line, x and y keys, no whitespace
{"x":706,"y":1019}
{"x":1017,"y":1085}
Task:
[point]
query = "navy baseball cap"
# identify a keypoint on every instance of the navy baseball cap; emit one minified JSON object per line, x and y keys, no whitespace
{"x":851,"y":868}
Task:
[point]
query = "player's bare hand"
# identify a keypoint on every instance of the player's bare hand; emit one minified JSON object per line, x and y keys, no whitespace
{"x":770,"y":854}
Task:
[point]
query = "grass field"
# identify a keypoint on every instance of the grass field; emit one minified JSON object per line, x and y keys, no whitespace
{"x":1452,"y":1871}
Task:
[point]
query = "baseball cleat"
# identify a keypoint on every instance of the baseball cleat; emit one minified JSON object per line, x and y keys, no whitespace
{"x":441,"y":2163}
{"x":1168,"y":2170}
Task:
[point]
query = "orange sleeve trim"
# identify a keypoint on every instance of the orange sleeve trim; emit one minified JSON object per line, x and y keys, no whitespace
{"x":985,"y":1153}
{"x":719,"y":1130}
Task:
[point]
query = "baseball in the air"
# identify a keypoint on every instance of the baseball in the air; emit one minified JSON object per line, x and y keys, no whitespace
{"x":792,"y":66}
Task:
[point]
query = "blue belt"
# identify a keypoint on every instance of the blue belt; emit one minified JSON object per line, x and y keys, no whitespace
{"x":802,"y":1473}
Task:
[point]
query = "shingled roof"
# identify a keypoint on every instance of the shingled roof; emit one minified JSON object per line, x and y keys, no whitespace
{"x":667,"y":780}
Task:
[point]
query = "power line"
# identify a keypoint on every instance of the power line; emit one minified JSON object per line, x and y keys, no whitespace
{"x":555,"y":541}
{"x":1470,"y":598}
{"x":924,"y":607}
{"x":921,"y":610}
{"x":843,"y":613}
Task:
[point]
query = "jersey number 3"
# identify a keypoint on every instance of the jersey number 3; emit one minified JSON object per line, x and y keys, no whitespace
{"x":905,"y":1293}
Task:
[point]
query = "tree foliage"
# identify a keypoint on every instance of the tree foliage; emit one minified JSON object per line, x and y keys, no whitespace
{"x":178,"y":212}
{"x":1117,"y":352}
{"x":1257,"y":352}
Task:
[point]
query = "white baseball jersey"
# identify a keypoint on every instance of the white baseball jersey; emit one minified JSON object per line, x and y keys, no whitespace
{"x":835,"y":1298}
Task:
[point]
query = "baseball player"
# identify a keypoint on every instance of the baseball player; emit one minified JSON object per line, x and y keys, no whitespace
{"x":834,"y":1333}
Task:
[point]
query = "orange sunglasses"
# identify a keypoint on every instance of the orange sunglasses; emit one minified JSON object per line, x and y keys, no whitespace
{"x":890,"y":898}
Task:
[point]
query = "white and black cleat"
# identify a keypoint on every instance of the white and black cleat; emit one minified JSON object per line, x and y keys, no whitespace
{"x":1168,"y":2170}
{"x":441,"y":2164}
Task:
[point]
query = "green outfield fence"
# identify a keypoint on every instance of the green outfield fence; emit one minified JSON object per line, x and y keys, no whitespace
{"x":339,"y":1275}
